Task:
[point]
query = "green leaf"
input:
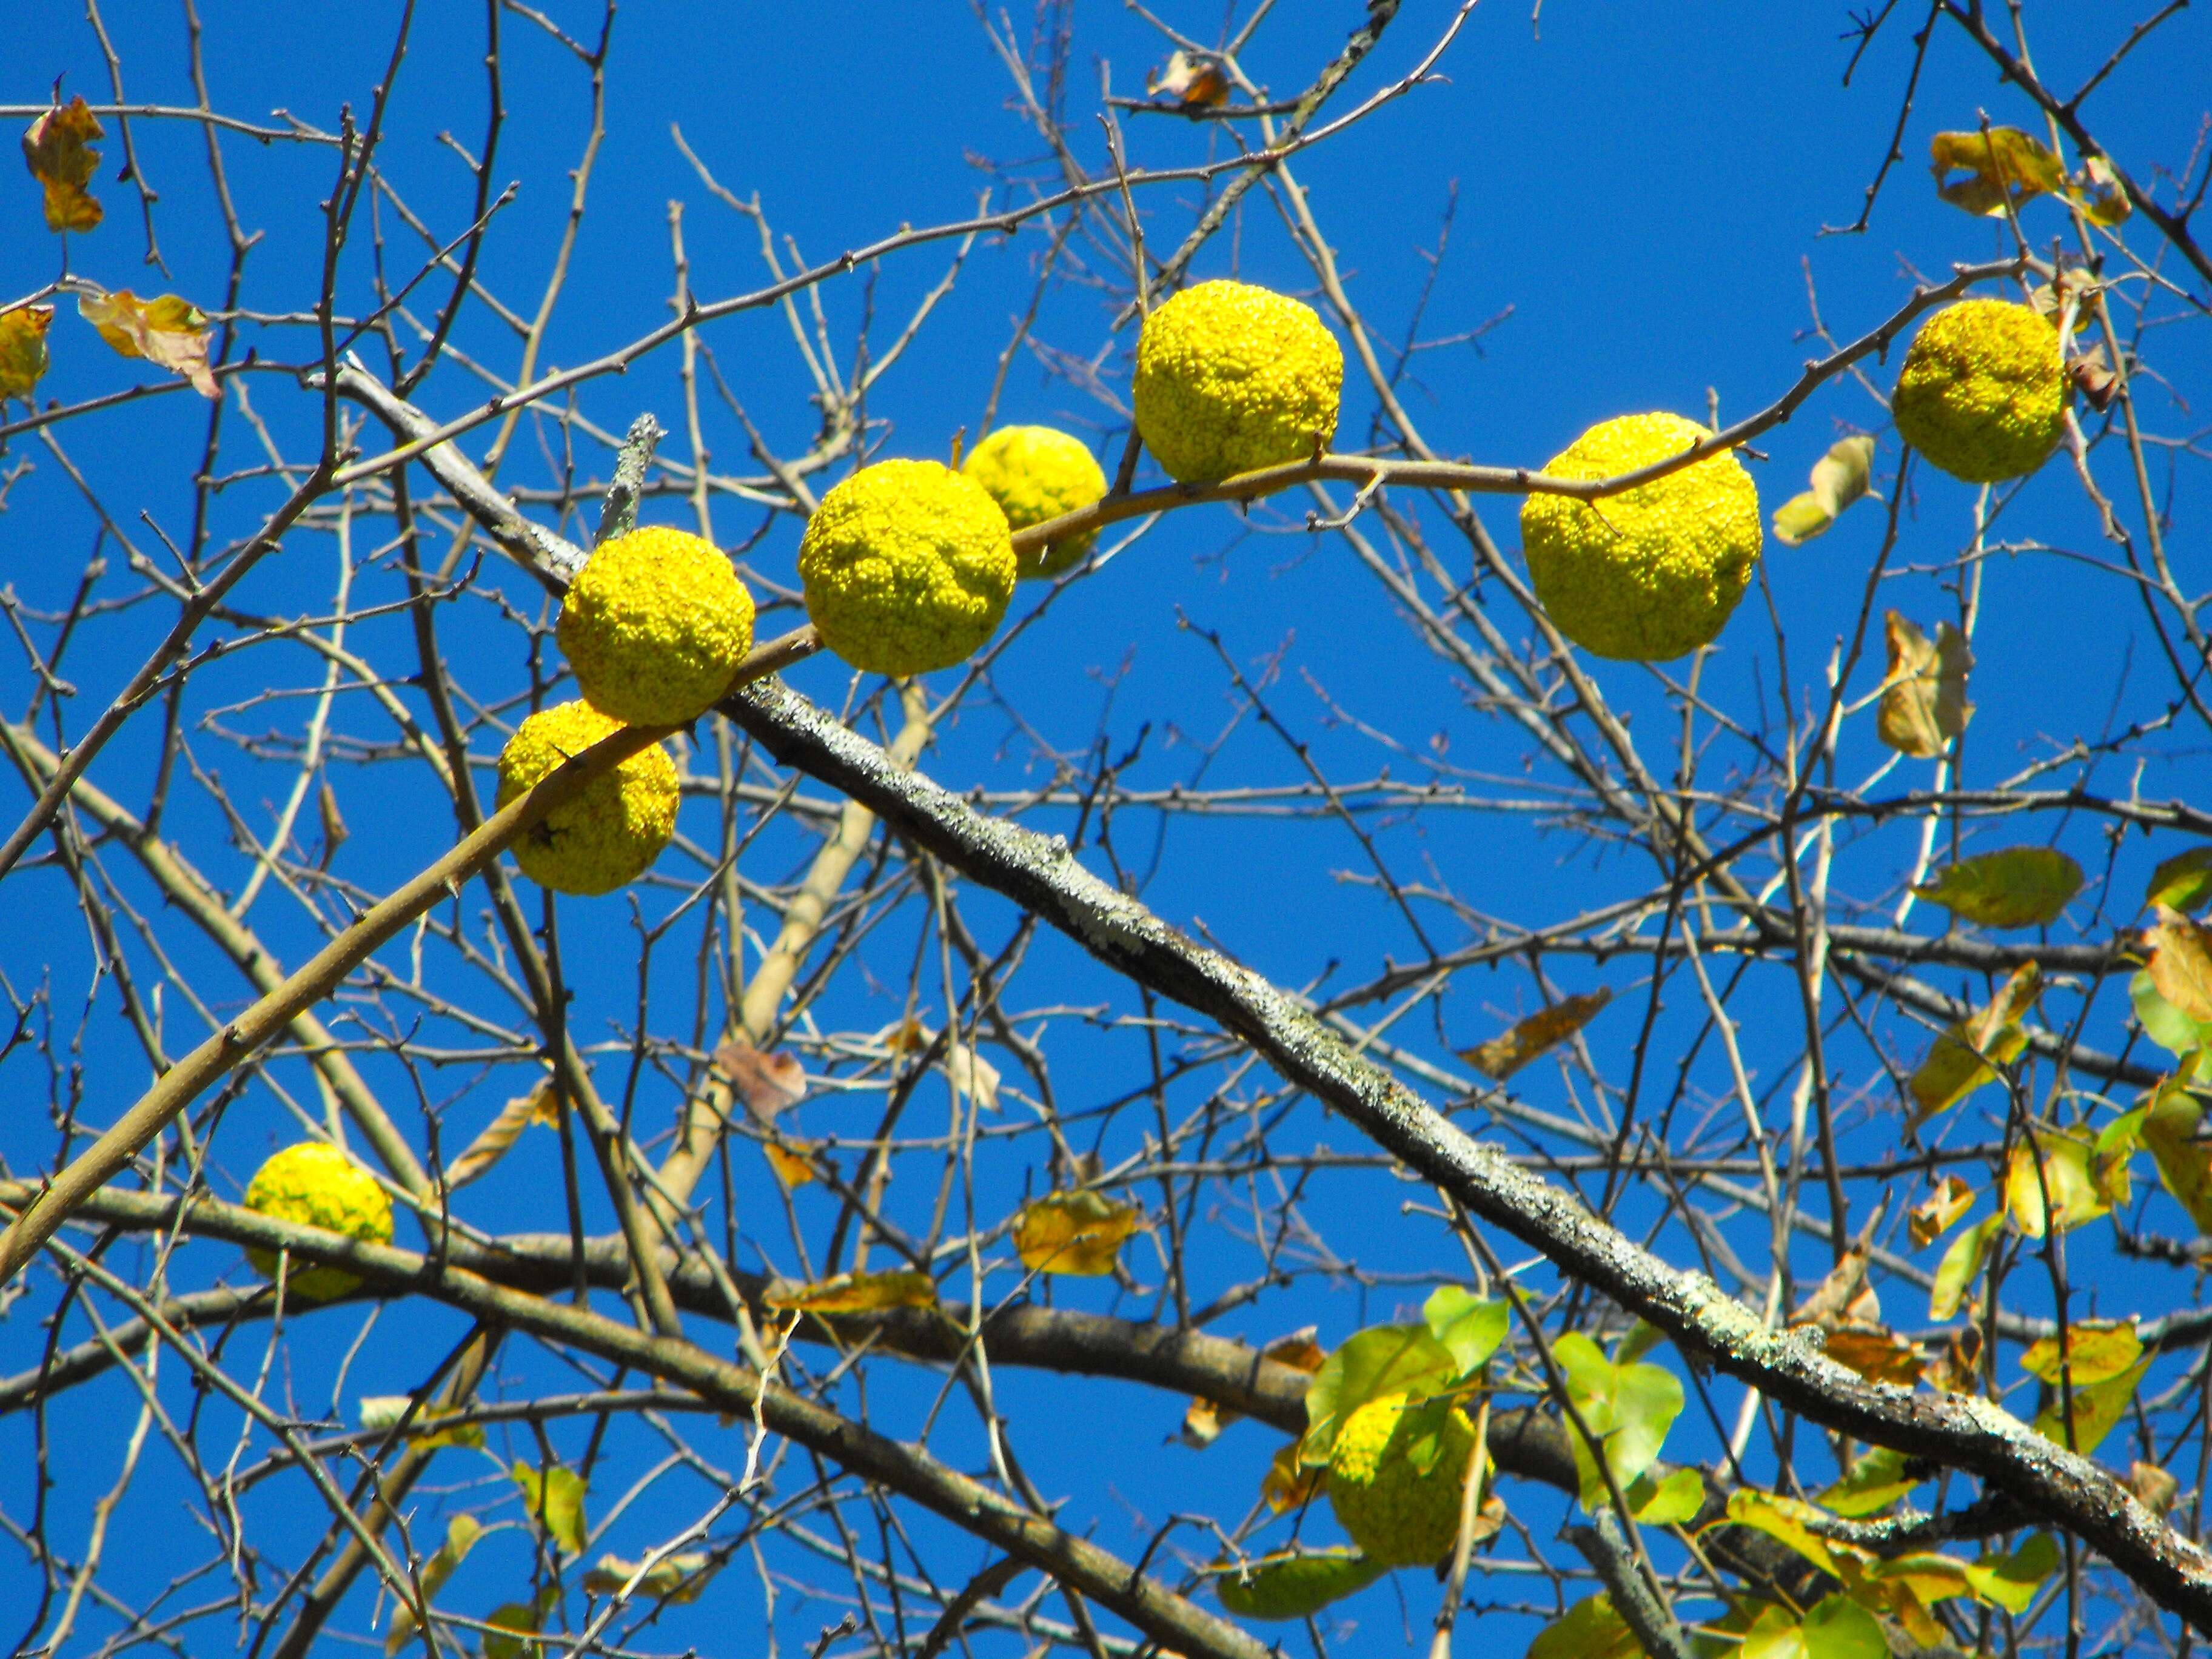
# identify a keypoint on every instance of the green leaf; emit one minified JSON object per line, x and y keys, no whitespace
{"x":2019,"y":887}
{"x":1667,"y":1503}
{"x":1381,"y":1359}
{"x":2162,"y":1023}
{"x":2098,"y":1409}
{"x":1967,"y":1054}
{"x":555,"y":1498}
{"x":2182,"y":882}
{"x":2064,"y":1177}
{"x":1836,"y":1628}
{"x":1838,"y":478}
{"x":1293,"y":1584}
{"x":675,"y":1579}
{"x":461,"y":1534}
{"x":2010,"y":1581}
{"x":1876,"y":1480}
{"x":526,"y":1620}
{"x":1469,"y":1328}
{"x":1629,"y":1408}
{"x":1588,"y":1629}
{"x":1962,"y":1265}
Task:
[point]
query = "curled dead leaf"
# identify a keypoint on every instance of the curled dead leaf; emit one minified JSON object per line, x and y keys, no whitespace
{"x":1838,"y":478}
{"x":169,"y":331}
{"x":57,"y":147}
{"x":540,"y":1105}
{"x":1502,"y":1056}
{"x":1932,"y":1217}
{"x":768,"y":1084}
{"x":1923,"y":698}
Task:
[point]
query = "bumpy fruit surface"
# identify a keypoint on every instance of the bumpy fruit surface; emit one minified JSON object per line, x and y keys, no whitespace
{"x":606,"y":837}
{"x":654,"y":625}
{"x":908,"y":566}
{"x":1398,"y":1515}
{"x":1982,"y":391}
{"x":1655,"y":571}
{"x":1035,"y":473}
{"x":1230,"y":377}
{"x":317,"y":1186}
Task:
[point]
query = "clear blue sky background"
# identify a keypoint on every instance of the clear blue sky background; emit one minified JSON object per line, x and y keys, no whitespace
{"x":1643,"y":186}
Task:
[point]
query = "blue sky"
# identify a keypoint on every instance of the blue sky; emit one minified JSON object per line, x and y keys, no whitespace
{"x":1639,"y":195}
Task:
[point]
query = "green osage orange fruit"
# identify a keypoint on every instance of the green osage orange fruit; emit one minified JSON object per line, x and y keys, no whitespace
{"x":1655,"y":571}
{"x":1982,"y":391}
{"x":654,"y":625}
{"x":1230,"y":378}
{"x":316,"y":1185}
{"x":1400,"y":1511}
{"x":907,"y":567}
{"x":1036,"y":473}
{"x":607,"y":835}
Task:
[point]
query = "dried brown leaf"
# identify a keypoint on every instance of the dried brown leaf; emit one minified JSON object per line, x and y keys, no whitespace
{"x":1502,"y":1056}
{"x":170,"y":332}
{"x":1923,"y":699}
{"x":57,"y":147}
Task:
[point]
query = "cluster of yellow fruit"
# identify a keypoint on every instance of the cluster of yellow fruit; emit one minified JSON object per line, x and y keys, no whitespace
{"x":908,"y":566}
{"x":1655,"y":572}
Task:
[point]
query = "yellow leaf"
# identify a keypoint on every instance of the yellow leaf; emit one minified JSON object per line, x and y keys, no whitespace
{"x":1290,"y":1484}
{"x":56,"y":148}
{"x":2019,"y":887}
{"x":461,"y":1534}
{"x":2074,"y":1198}
{"x":2183,"y":882}
{"x":1838,"y":478}
{"x":1800,"y":518}
{"x":2185,"y":1162}
{"x":1932,"y":1217}
{"x":792,"y":1160}
{"x":2010,"y":1581}
{"x":23,"y":350}
{"x":2096,"y":189}
{"x":2004,"y":169}
{"x":554,"y":1498}
{"x":2180,"y":963}
{"x":2096,"y":1349}
{"x":1790,"y":1520}
{"x":856,"y":1293}
{"x":1502,"y":1056}
{"x":1877,"y":1481}
{"x":1079,"y":1233}
{"x":168,"y":330}
{"x":540,"y":1105}
{"x":1923,"y":699}
{"x":1966,"y":1055}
